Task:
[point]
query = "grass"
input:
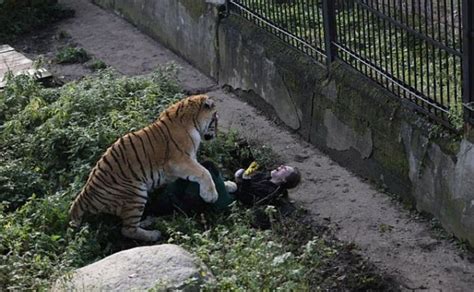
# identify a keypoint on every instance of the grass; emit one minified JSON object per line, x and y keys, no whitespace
{"x":17,"y":17}
{"x":51,"y":138}
{"x":97,"y":64}
{"x":290,"y":256}
{"x":69,"y":55}
{"x":415,"y":63}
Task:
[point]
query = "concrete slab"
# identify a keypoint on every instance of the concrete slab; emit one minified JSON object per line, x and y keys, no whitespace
{"x":17,"y":63}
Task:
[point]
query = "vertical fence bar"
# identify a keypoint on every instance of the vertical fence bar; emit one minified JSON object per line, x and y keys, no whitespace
{"x":224,"y":11}
{"x":468,"y":57}
{"x":329,"y":18}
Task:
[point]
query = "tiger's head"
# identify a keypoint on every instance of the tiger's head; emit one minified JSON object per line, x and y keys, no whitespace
{"x":207,"y":116}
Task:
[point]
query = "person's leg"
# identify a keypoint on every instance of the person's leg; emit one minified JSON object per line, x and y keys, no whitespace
{"x":211,"y":166}
{"x":183,"y":196}
{"x":230,"y":186}
{"x":225,"y":199}
{"x":159,"y":204}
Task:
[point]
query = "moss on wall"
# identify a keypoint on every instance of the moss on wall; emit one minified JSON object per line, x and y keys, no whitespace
{"x":195,"y":9}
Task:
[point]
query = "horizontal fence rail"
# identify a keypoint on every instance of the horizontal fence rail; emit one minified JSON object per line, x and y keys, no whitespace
{"x":412,"y":48}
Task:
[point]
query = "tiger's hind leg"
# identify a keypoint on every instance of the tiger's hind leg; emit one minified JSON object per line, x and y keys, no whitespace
{"x":131,"y":216}
{"x":148,"y":221}
{"x":132,"y":229}
{"x":141,"y":234}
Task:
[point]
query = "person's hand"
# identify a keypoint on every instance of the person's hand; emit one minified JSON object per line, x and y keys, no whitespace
{"x":238,"y":175}
{"x":251,"y":169}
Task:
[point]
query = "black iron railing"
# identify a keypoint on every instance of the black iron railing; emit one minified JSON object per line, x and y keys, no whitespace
{"x":413,"y":48}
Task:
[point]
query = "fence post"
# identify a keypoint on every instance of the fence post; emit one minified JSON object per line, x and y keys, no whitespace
{"x":329,"y":17}
{"x":468,"y":59}
{"x":227,"y":6}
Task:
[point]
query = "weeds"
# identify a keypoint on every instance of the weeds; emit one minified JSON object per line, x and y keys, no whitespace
{"x":456,"y":114}
{"x":58,"y":134}
{"x":61,"y":35}
{"x":18,"y":17}
{"x":68,"y":55}
{"x":291,"y":256}
{"x":97,"y":65}
{"x":51,"y":138}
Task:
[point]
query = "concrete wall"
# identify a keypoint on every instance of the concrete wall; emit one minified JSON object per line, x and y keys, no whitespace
{"x":355,"y":121}
{"x":187,"y":27}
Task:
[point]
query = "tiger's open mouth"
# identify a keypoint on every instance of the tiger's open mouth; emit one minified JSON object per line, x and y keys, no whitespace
{"x":211,"y":131}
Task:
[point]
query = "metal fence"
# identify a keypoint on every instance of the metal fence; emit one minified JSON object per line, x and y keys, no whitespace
{"x":413,"y":48}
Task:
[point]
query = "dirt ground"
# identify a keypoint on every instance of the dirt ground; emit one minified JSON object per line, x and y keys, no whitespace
{"x":399,"y":242}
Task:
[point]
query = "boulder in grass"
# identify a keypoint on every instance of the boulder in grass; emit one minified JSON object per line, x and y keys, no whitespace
{"x":162,"y":267}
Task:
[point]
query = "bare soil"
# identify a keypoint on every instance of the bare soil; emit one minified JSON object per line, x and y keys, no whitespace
{"x":399,"y":242}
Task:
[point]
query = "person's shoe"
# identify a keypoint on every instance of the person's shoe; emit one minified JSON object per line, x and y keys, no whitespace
{"x":230,"y":186}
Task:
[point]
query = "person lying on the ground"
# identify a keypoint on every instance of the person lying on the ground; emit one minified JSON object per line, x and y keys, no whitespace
{"x":250,"y":188}
{"x":257,"y":187}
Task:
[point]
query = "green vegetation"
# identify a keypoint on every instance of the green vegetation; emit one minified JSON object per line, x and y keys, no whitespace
{"x":62,"y":35}
{"x":50,"y":139}
{"x":291,"y":256}
{"x":412,"y":61}
{"x":70,"y":54}
{"x":456,"y":114}
{"x":18,"y":17}
{"x":97,"y":64}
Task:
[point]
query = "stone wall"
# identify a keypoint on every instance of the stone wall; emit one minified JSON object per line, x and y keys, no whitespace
{"x":358,"y":123}
{"x":187,"y":27}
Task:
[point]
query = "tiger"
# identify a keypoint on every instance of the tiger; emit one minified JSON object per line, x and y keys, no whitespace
{"x":144,"y":160}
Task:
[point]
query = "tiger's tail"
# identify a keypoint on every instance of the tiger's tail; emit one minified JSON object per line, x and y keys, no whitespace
{"x":75,"y":212}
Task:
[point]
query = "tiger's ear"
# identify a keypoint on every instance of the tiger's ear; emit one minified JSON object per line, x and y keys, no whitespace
{"x":209,"y":103}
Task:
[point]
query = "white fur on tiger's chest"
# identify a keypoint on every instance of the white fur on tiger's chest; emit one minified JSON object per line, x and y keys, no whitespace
{"x":196,"y":141}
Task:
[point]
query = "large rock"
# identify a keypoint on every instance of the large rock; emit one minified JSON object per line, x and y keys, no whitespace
{"x":162,"y":267}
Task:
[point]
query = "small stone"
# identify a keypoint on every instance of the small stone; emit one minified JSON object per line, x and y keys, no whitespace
{"x":301,"y":157}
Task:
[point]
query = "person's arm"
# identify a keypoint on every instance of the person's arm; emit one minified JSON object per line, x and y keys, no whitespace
{"x":255,"y":188}
{"x":238,"y":175}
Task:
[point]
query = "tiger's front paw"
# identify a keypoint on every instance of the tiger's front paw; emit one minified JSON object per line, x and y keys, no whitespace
{"x":210,"y":196}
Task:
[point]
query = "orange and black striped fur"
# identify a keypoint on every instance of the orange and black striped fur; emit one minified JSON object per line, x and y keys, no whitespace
{"x":143,"y":160}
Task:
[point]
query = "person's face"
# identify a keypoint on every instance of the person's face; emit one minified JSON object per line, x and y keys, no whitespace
{"x":280,"y":174}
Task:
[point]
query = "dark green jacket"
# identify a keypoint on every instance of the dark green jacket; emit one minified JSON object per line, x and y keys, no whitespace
{"x":183,"y":196}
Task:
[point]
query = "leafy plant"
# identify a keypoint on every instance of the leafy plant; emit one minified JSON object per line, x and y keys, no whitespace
{"x":63,"y":35}
{"x":456,"y":114}
{"x":291,"y":256}
{"x":18,"y":17}
{"x":50,"y":138}
{"x":70,"y":54}
{"x":97,"y":65}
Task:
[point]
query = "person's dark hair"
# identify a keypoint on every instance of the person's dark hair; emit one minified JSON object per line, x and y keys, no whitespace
{"x":292,"y":180}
